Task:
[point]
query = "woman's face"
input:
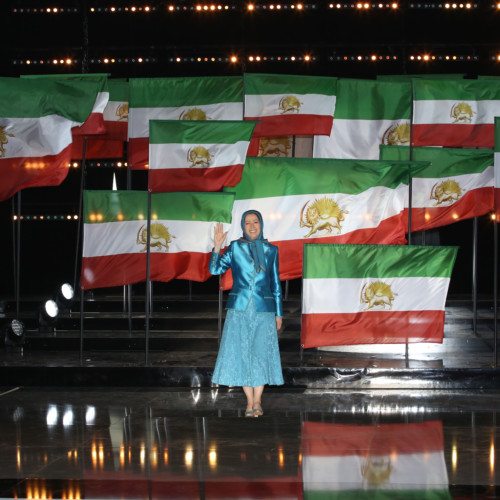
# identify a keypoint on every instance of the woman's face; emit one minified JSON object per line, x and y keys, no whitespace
{"x":252,"y":226}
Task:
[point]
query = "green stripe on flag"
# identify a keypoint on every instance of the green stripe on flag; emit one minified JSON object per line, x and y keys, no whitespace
{"x":373,"y":100}
{"x":33,"y":98}
{"x":466,"y":90}
{"x":199,"y":132}
{"x":408,"y":78}
{"x":379,"y":494}
{"x":444,"y":162}
{"x":175,"y":92}
{"x":269,"y":177}
{"x":116,"y":206}
{"x":118,"y":91}
{"x":262,"y":84}
{"x":377,"y":261}
{"x":497,"y":133}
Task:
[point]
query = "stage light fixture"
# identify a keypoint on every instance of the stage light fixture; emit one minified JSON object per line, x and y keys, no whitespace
{"x":14,"y":336}
{"x":47,"y":316}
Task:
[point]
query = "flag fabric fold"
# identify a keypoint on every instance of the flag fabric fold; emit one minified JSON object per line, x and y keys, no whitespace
{"x":197,"y":155}
{"x":36,"y":120}
{"x":290,"y":104}
{"x":367,"y":113}
{"x":195,"y":98}
{"x":116,"y":235}
{"x":306,"y":200}
{"x":455,"y":113}
{"x":374,"y":294}
{"x":457,"y":184}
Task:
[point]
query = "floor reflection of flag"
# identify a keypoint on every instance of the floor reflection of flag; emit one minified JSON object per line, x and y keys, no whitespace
{"x":375,"y":462}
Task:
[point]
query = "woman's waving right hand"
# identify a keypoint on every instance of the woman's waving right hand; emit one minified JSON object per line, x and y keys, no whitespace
{"x":219,"y":237}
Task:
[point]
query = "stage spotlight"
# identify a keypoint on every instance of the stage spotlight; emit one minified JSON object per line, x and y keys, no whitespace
{"x":47,"y":316}
{"x":64,"y":297}
{"x":14,"y":336}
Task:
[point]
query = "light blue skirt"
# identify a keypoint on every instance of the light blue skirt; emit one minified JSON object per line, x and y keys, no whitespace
{"x":249,"y":355}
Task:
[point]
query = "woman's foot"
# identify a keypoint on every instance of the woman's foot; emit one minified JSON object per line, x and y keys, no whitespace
{"x":249,"y":412}
{"x":257,"y":410}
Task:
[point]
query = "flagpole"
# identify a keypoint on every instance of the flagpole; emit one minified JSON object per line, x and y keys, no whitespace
{"x":474,"y":276}
{"x":219,"y":325}
{"x":15,"y":222}
{"x":18,"y":254}
{"x":81,"y":323}
{"x":148,"y":272}
{"x":128,"y":288}
{"x":495,"y":286}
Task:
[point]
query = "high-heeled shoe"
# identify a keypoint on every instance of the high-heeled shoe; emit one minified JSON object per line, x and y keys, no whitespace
{"x":249,"y":413}
{"x":258,"y":412}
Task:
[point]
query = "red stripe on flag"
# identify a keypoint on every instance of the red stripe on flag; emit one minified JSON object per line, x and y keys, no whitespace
{"x":21,"y":173}
{"x":497,"y":204}
{"x":94,"y":124}
{"x":325,"y":439}
{"x":270,"y":126}
{"x":126,"y":269}
{"x":391,"y":231}
{"x":194,"y":179}
{"x":138,"y":153}
{"x":96,"y":148}
{"x":454,"y":135}
{"x":373,"y":327}
{"x":473,"y":204}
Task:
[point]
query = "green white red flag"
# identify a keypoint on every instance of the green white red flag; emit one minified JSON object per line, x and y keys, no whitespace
{"x":115,"y":116}
{"x":305,"y":200}
{"x":36,"y":118}
{"x":115,"y":236}
{"x":374,"y":294}
{"x":384,"y":461}
{"x":195,"y":98}
{"x":497,"y":168}
{"x":197,"y":155}
{"x":368,"y":113}
{"x":457,"y":184}
{"x":290,"y":104}
{"x":455,"y":113}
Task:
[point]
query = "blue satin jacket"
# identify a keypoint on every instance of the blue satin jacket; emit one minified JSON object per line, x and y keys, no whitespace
{"x":263,"y":287}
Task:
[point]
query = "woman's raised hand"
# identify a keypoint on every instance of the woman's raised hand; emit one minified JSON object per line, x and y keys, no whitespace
{"x":219,"y":237}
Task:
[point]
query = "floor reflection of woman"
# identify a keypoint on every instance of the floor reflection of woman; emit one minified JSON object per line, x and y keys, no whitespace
{"x":249,"y":355}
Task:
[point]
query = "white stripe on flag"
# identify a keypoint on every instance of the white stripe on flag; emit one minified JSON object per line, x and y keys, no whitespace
{"x":112,"y":238}
{"x":110,"y":113}
{"x":281,"y":214}
{"x":439,"y":111}
{"x":139,"y":117}
{"x":35,"y":137}
{"x":177,"y":155}
{"x":269,"y":104}
{"x":100,"y":102}
{"x":343,"y":295}
{"x":497,"y":169}
{"x":423,"y":187}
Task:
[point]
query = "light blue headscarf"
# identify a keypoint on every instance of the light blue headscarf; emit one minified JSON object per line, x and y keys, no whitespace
{"x":256,"y":246}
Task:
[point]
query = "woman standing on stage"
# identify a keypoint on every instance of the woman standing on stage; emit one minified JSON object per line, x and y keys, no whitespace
{"x":249,"y":356}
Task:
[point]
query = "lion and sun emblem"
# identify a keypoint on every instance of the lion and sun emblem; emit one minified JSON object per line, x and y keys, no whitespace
{"x":160,"y":237}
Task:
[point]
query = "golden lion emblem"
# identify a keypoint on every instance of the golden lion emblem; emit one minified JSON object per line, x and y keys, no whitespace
{"x":3,"y":141}
{"x":277,"y":147}
{"x":377,"y":470}
{"x":448,"y":191}
{"x":122,"y":111}
{"x":462,"y":113}
{"x":199,"y":157}
{"x":193,"y":114}
{"x":377,"y":295}
{"x":160,"y":237}
{"x":289,"y":104}
{"x":322,"y":215}
{"x":397,"y":134}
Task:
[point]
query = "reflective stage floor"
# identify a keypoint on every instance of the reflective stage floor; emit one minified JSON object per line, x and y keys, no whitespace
{"x":140,"y":443}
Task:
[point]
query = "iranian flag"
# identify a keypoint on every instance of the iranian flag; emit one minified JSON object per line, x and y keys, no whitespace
{"x":368,"y":113}
{"x":115,"y":236}
{"x":374,"y":294}
{"x":197,"y":155}
{"x":195,"y":98}
{"x":36,"y":118}
{"x":457,"y":184}
{"x":384,"y":461}
{"x":455,"y":113}
{"x":290,"y":104}
{"x":115,"y":116}
{"x":305,"y":200}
